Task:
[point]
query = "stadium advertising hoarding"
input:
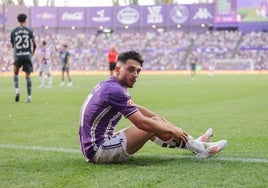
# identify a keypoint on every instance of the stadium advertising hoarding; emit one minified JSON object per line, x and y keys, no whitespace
{"x":100,"y":16}
{"x":72,"y":16}
{"x":154,"y":15}
{"x":202,"y":14}
{"x":11,"y":13}
{"x":130,"y":16}
{"x":179,"y":14}
{"x":145,"y":16}
{"x":222,"y":12}
{"x":44,"y":17}
{"x":252,"y":11}
{"x":2,"y":17}
{"x":225,"y":11}
{"x":138,"y":16}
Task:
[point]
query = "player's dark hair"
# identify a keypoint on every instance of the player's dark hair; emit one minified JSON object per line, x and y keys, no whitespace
{"x":44,"y":42}
{"x":132,"y":54}
{"x":22,"y":18}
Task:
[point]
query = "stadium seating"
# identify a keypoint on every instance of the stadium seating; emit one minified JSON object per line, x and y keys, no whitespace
{"x":162,"y":51}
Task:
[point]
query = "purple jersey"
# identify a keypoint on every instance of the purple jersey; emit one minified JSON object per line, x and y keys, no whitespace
{"x":45,"y":54}
{"x":100,"y":113}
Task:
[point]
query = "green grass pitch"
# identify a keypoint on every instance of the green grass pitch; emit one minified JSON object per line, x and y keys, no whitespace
{"x":39,"y":141}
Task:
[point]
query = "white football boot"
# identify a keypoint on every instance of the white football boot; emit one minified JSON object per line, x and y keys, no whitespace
{"x":70,"y":84}
{"x":211,"y":149}
{"x":195,"y":146}
{"x":206,"y":137}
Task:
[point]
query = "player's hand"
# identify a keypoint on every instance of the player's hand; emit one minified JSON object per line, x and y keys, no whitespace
{"x":181,"y":134}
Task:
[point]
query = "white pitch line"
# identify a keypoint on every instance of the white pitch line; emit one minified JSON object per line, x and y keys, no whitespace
{"x":230,"y":159}
{"x":63,"y":150}
{"x":40,"y":148}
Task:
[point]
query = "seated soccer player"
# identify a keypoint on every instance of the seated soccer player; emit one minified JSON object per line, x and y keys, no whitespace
{"x":110,"y":100}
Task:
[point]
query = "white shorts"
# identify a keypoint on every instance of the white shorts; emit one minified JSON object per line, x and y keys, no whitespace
{"x":45,"y":68}
{"x":112,"y":150}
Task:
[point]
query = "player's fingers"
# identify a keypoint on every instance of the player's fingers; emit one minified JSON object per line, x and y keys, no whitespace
{"x":182,"y":137}
{"x":185,"y":133}
{"x":185,"y":138}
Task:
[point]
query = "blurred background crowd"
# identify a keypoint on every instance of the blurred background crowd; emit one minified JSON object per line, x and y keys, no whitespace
{"x":162,"y":50}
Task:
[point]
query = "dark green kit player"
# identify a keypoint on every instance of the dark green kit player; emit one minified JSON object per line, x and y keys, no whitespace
{"x":23,"y":42}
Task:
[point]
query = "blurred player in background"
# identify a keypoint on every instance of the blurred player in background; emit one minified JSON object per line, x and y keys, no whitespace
{"x":193,"y":62}
{"x":46,"y":60}
{"x":104,"y":107}
{"x":65,"y":57}
{"x":23,"y":42}
{"x":112,"y":57}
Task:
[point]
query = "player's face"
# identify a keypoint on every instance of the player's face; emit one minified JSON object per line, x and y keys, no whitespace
{"x":128,"y":73}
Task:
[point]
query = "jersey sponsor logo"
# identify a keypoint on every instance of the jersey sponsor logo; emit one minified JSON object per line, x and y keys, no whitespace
{"x":23,"y":53}
{"x":128,"y":15}
{"x":202,"y":13}
{"x":179,"y":14}
{"x":100,"y":17}
{"x":154,"y":15}
{"x":75,"y":16}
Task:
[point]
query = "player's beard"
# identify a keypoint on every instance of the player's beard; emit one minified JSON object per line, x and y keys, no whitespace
{"x":126,"y":84}
{"x":127,"y":81}
{"x":132,"y":81}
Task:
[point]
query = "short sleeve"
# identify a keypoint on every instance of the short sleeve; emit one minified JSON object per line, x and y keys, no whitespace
{"x":121,"y":101}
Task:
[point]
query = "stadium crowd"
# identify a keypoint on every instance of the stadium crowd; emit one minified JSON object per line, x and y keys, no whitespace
{"x":162,"y":51}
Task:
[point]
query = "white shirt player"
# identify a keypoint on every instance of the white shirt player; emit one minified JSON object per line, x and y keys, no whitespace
{"x":45,"y":67}
{"x":45,"y":60}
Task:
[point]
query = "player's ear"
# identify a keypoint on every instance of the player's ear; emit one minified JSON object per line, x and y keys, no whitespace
{"x":118,"y":66}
